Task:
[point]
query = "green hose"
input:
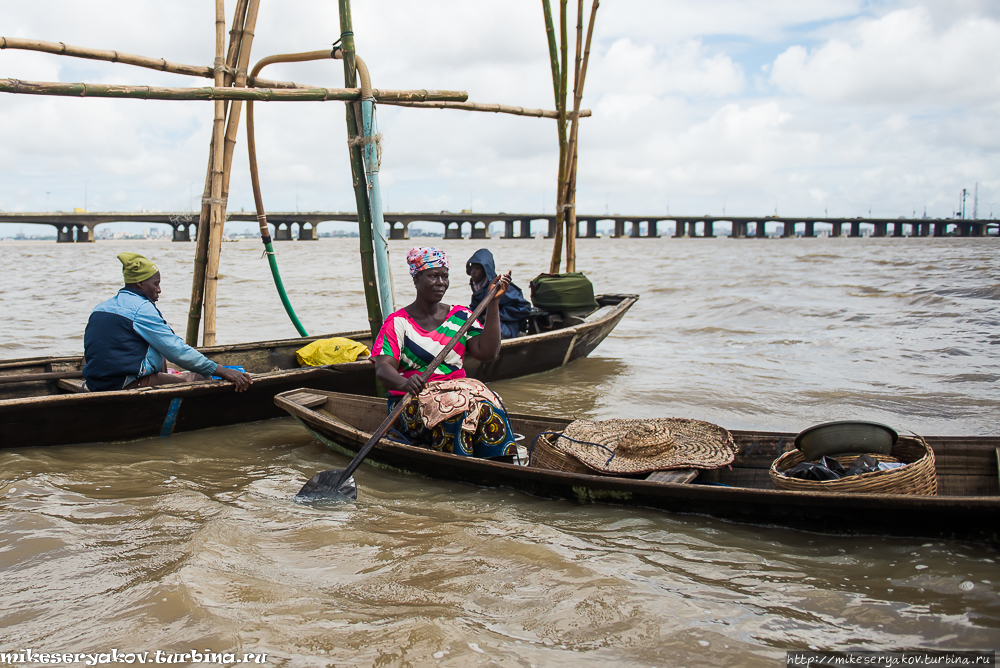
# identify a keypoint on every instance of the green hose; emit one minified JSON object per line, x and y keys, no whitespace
{"x":269,"y":251}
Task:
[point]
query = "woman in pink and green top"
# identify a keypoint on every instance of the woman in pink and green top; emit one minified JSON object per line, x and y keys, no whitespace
{"x":452,"y":413}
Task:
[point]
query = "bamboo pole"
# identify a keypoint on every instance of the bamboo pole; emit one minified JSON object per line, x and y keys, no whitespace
{"x":240,"y":81}
{"x":221,"y":93}
{"x":556,"y":260}
{"x":579,"y":80}
{"x":201,"y":249}
{"x":487,"y":107}
{"x":217,"y":218}
{"x":61,"y":49}
{"x":571,"y":227}
{"x":367,"y":249}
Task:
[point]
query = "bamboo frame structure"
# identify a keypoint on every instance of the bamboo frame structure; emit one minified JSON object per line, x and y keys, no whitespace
{"x":566,"y":184}
{"x":367,"y":247}
{"x":201,"y":249}
{"x":232,"y":84}
{"x":217,"y":209}
{"x":579,"y":78}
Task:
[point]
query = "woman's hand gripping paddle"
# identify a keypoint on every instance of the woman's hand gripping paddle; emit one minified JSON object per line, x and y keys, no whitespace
{"x":337,"y":485}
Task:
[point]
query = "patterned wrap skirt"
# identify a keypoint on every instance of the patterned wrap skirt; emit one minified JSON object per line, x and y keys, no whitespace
{"x":492,"y":437}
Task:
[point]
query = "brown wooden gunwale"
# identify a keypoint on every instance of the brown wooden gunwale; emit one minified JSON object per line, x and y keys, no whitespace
{"x":963,"y":517}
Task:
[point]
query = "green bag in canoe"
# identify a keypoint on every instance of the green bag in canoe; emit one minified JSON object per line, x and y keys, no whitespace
{"x":563,"y":293}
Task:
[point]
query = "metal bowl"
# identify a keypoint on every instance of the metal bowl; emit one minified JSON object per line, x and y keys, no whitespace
{"x":846,"y":437}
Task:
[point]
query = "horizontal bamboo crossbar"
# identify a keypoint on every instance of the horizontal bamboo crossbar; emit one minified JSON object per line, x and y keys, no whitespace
{"x":61,"y":49}
{"x":160,"y":64}
{"x":480,"y":106}
{"x":212,"y":93}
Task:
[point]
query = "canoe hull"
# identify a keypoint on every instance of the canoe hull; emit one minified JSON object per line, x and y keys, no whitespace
{"x":34,"y":414}
{"x":972,"y":518}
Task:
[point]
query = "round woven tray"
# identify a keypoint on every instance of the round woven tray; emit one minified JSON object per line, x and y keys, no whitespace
{"x":917,"y":478}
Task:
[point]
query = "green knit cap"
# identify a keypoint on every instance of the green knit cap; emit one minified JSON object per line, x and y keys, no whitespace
{"x":136,"y":268}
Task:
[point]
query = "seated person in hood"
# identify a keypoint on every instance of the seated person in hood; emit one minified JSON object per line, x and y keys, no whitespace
{"x":514,"y":308}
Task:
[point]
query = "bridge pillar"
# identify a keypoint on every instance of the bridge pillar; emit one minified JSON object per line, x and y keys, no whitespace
{"x":84,"y":234}
{"x":880,"y":229}
{"x":925,"y":229}
{"x":634,"y":234}
{"x":787,"y":229}
{"x":181,"y":233}
{"x":453,"y":230}
{"x":838,"y":230}
{"x":282,"y":232}
{"x":307,"y":233}
{"x":709,"y":229}
{"x":525,"y":232}
{"x":480,"y":232}
{"x":855,"y":228}
{"x":810,"y":230}
{"x":651,"y":229}
{"x":680,"y":229}
{"x":761,"y":230}
{"x":940,"y":229}
{"x":590,"y":225}
{"x":508,"y":229}
{"x":897,"y":229}
{"x":64,"y":234}
{"x":399,"y":230}
{"x":552,"y":229}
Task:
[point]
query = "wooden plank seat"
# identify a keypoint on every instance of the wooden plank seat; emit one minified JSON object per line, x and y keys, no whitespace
{"x":307,"y":399}
{"x":71,"y":384}
{"x":680,"y":476}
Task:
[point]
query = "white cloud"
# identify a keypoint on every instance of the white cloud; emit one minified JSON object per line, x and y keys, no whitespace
{"x":685,"y":69}
{"x":902,"y":57}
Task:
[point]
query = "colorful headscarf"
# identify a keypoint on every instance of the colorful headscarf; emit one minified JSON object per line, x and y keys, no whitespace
{"x":424,"y":257}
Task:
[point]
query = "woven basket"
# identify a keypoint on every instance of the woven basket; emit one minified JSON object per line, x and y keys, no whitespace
{"x":917,"y":478}
{"x":545,"y":456}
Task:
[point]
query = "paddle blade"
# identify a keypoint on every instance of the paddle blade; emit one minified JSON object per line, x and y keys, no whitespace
{"x":323,"y":486}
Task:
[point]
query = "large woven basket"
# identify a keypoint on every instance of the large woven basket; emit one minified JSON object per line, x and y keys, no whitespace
{"x":545,"y":456}
{"x":917,"y":478}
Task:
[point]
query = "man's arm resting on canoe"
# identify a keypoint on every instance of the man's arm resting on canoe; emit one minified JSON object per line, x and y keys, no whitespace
{"x":150,"y":326}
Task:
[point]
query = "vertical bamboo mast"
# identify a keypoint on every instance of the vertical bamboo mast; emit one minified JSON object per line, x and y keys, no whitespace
{"x":240,"y":81}
{"x":579,"y":79}
{"x":201,"y":248}
{"x":367,"y":250}
{"x":217,"y":208}
{"x":559,"y":88}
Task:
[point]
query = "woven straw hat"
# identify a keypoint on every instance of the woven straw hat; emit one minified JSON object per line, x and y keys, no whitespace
{"x":642,"y":446}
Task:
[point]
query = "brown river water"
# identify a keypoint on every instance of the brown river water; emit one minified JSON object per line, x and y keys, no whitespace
{"x":193,"y":542}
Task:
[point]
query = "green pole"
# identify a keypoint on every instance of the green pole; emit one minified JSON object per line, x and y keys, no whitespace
{"x":358,"y":176}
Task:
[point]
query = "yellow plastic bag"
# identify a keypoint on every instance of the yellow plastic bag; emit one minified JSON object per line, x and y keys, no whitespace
{"x":330,"y":351}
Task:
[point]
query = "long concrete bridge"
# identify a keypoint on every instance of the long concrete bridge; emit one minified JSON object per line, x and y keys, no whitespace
{"x":80,"y":226}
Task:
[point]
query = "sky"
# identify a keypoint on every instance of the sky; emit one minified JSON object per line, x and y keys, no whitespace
{"x":745,"y":107}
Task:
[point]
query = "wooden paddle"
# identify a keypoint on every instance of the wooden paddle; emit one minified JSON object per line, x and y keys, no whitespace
{"x":338,"y":485}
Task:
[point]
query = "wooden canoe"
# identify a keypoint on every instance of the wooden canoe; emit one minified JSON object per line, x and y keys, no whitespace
{"x":53,"y":410}
{"x":967,"y":506}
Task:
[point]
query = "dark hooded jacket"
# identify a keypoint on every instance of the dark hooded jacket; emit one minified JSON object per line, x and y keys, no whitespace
{"x":514,"y":308}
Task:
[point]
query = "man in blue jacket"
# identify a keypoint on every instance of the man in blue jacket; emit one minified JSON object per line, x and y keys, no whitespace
{"x":127,"y":341}
{"x":514,"y":308}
